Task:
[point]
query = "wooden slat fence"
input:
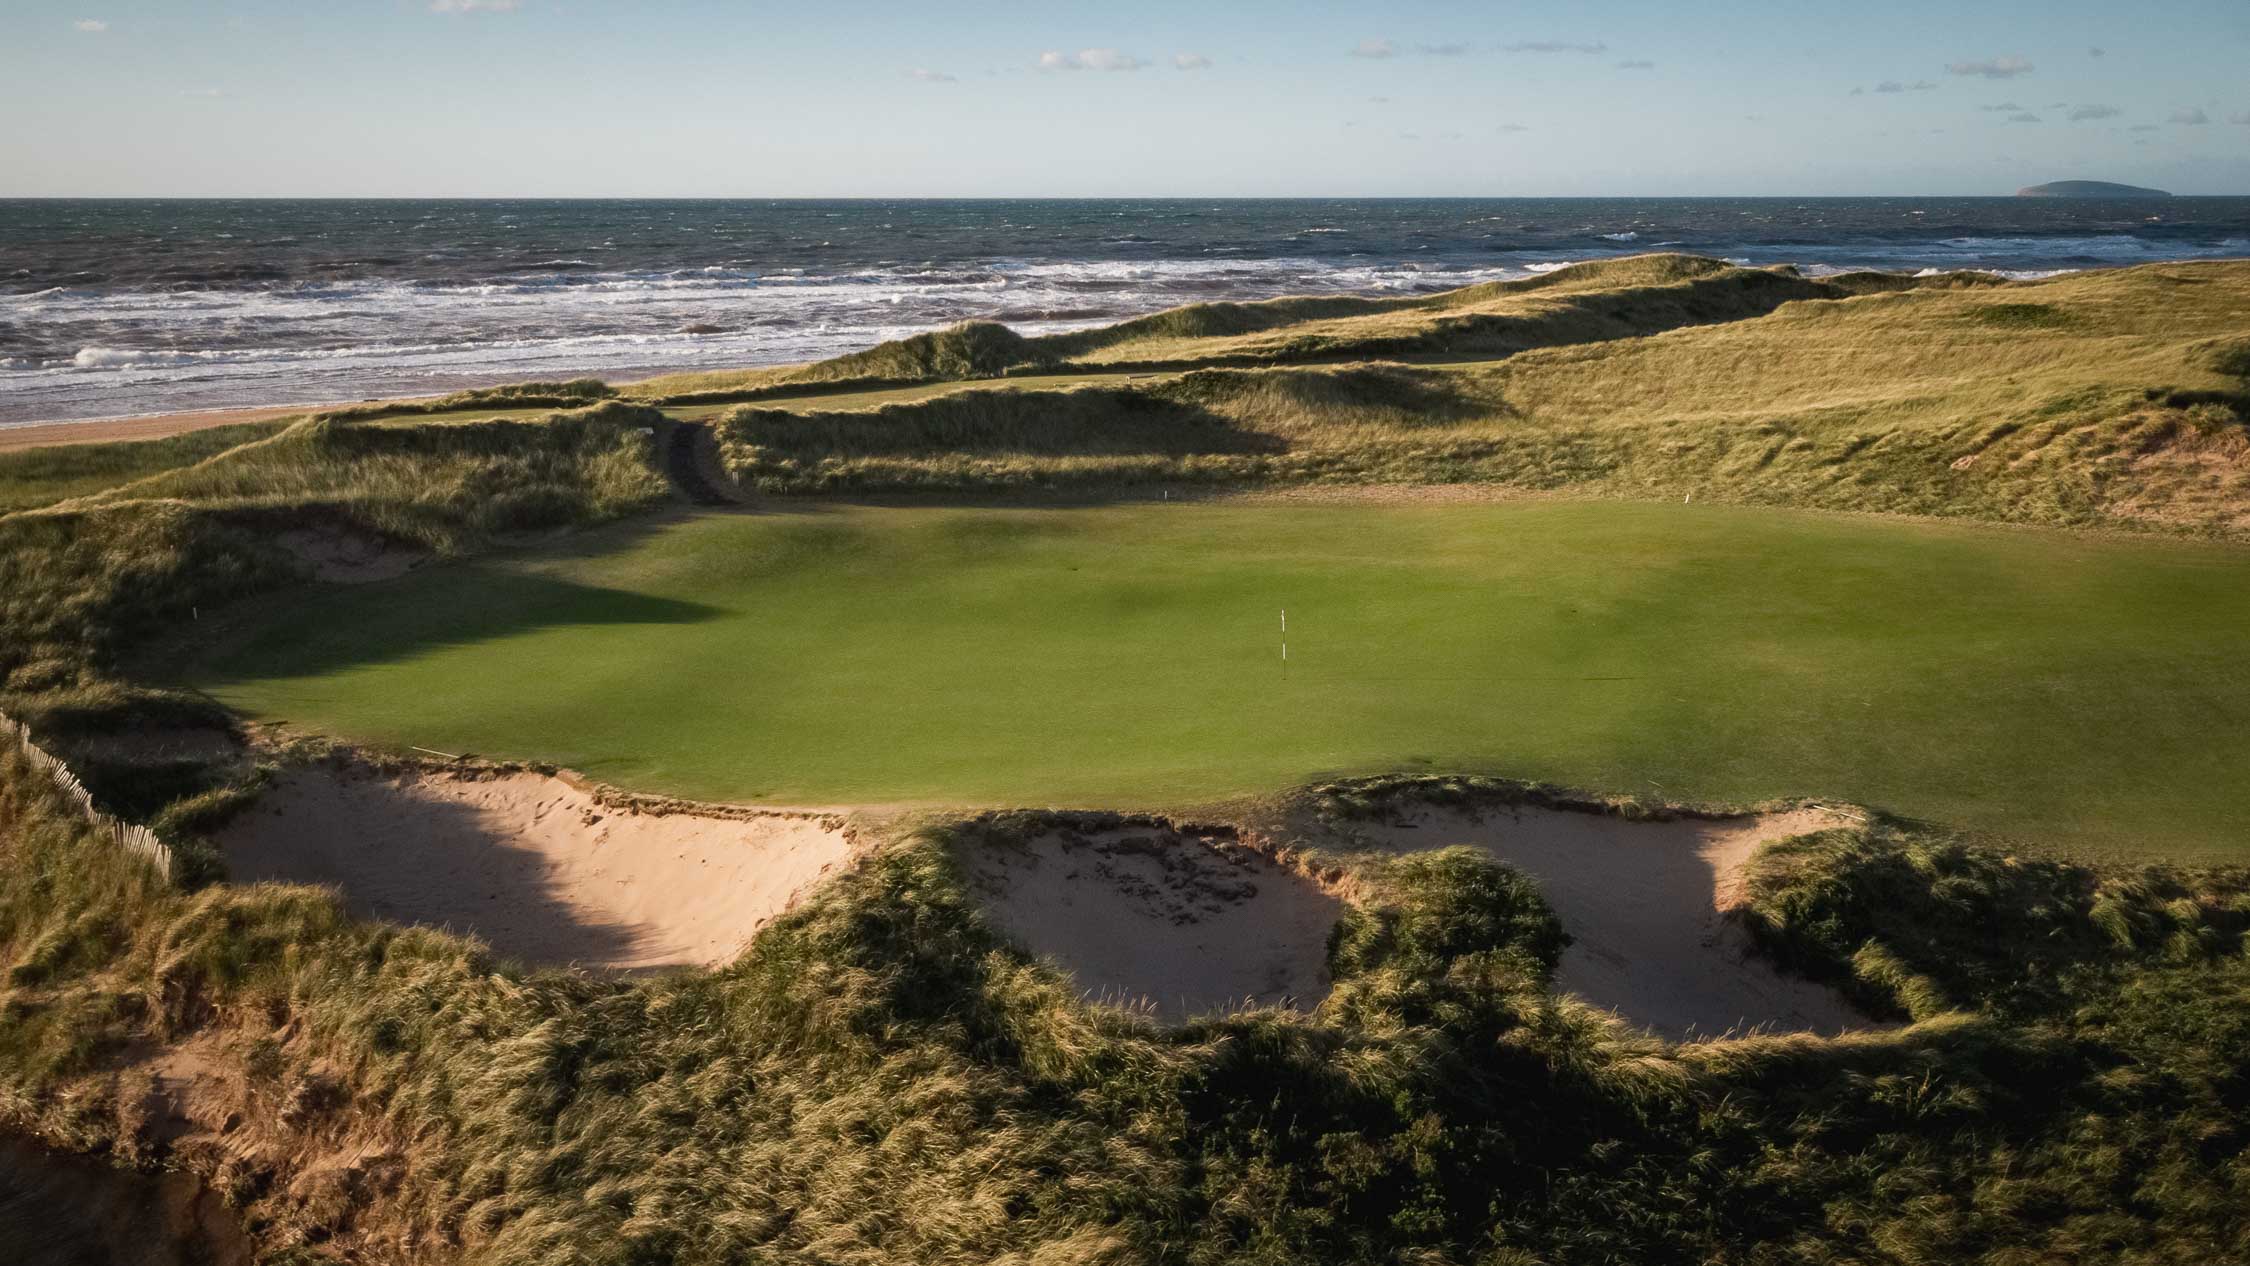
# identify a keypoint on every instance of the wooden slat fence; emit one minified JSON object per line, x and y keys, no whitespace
{"x":126,"y":835}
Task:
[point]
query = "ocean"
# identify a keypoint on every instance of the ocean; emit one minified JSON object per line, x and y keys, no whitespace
{"x":121,"y":307}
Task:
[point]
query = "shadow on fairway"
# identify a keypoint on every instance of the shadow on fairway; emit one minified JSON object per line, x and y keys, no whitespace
{"x":461,"y":604}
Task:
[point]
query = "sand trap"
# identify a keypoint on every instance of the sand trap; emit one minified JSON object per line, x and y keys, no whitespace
{"x":1182,"y":924}
{"x":344,"y":556}
{"x":1645,"y":901}
{"x":534,"y":866}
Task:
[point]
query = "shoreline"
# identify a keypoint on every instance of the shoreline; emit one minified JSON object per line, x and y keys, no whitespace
{"x":142,"y":426}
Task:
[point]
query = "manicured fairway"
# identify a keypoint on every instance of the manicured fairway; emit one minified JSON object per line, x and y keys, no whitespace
{"x":2075,"y":693}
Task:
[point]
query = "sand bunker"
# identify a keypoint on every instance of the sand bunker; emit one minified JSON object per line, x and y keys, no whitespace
{"x":1645,"y":903}
{"x":1182,"y":924}
{"x":344,"y":556}
{"x":536,"y":867}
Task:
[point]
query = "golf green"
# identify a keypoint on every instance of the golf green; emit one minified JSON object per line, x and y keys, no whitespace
{"x":2076,"y":693}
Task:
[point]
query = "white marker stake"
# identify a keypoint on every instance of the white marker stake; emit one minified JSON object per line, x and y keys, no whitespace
{"x":1285,"y":641}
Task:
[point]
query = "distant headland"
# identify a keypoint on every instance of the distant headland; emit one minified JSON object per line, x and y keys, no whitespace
{"x":2088,"y":189}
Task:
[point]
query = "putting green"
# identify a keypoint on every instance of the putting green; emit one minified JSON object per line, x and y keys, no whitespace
{"x":2077,"y":693}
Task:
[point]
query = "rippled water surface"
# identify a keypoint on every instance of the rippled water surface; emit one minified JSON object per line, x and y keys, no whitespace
{"x":121,"y":307}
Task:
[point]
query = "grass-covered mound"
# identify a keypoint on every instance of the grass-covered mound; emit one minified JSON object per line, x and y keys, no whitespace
{"x":37,"y":477}
{"x":1610,"y":299}
{"x":879,"y":1080}
{"x":79,"y":583}
{"x":2118,"y":398}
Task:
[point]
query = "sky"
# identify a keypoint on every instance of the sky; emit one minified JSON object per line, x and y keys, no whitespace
{"x":704,"y":98}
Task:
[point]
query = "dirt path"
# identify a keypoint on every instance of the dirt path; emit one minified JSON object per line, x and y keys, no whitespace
{"x":538,"y":868}
{"x":691,"y":462}
{"x":1646,"y":904}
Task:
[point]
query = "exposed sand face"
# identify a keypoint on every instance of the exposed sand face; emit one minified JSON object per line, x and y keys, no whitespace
{"x":1185,"y":925}
{"x":1645,"y":902}
{"x":534,"y":866}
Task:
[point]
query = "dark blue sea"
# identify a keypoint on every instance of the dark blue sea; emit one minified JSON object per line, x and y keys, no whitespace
{"x":110,"y":308}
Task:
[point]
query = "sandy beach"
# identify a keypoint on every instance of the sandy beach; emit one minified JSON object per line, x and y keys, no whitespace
{"x":154,"y":426}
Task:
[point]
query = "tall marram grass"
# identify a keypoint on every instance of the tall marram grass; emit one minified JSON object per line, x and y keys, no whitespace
{"x":879,"y":1079}
{"x":2122,"y":404}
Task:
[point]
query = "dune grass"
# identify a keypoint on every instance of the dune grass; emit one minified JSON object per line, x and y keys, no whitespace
{"x":879,"y":1079}
{"x":37,"y":477}
{"x":81,"y":582}
{"x":2071,"y":689}
{"x":2117,"y":399}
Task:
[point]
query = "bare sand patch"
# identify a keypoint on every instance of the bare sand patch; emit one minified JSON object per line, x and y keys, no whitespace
{"x":1181,"y":924}
{"x":1646,"y":903}
{"x":538,"y":868}
{"x":347,"y":556}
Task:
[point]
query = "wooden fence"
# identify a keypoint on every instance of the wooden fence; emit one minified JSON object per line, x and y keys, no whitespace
{"x":133,"y":839}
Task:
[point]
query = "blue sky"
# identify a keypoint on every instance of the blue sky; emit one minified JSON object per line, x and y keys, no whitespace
{"x":1522,"y":98}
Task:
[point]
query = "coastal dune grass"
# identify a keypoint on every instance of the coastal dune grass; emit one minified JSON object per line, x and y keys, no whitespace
{"x":2079,"y":691}
{"x":2117,"y":399}
{"x":35,"y":477}
{"x":80,"y":582}
{"x":881,"y":1079}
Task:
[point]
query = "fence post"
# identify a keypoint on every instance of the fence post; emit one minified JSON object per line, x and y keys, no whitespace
{"x":128,"y":836}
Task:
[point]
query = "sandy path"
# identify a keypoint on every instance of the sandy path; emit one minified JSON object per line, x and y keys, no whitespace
{"x":532,"y":865}
{"x":1182,"y":924}
{"x":1644,"y":901}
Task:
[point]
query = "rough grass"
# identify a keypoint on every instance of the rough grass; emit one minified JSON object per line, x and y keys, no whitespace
{"x":2116,"y":399}
{"x":879,"y":1080}
{"x":37,"y":477}
{"x":1609,"y":299}
{"x":78,"y":584}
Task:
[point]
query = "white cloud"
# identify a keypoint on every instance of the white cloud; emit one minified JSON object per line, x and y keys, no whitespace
{"x":1636,"y":64}
{"x":931,"y":76}
{"x":1992,"y":68}
{"x":1554,"y":46}
{"x":475,"y":6}
{"x":2192,"y":116}
{"x":1090,"y":59}
{"x":2088,"y":113}
{"x":91,"y":26}
{"x":1374,"y":48}
{"x":1191,"y":61}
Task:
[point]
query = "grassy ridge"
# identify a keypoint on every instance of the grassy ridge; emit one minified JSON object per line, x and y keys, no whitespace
{"x":78,"y":584}
{"x":1604,"y":300}
{"x":2104,"y":398}
{"x":880,"y":1080}
{"x":38,"y":477}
